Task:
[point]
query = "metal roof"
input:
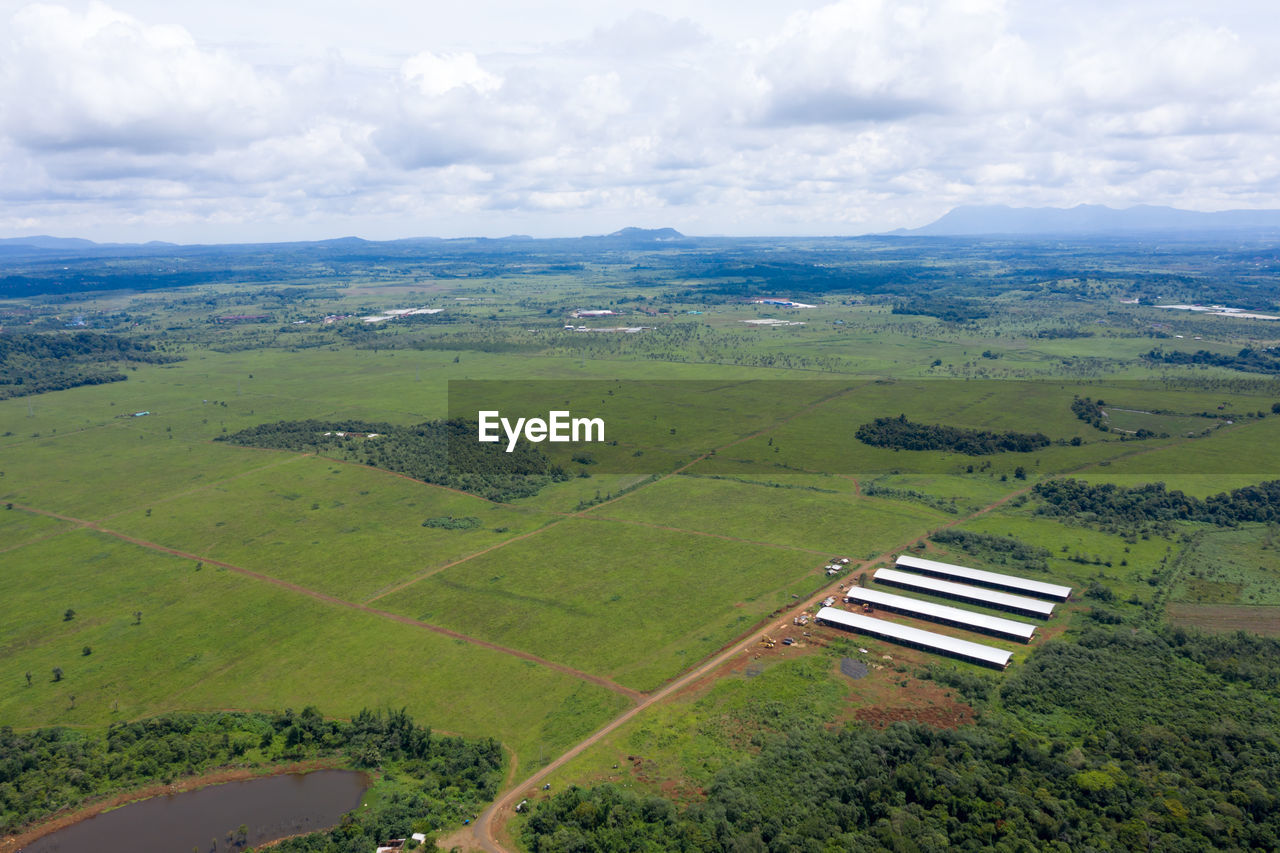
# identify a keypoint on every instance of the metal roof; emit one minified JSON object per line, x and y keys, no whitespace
{"x":942,"y":612}
{"x":903,"y":633}
{"x":1022,"y":604}
{"x":1013,"y":582}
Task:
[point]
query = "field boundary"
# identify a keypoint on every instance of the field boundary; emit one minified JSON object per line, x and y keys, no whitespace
{"x":600,"y":681}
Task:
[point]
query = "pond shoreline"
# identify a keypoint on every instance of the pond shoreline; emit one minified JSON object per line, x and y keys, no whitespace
{"x":62,"y":820}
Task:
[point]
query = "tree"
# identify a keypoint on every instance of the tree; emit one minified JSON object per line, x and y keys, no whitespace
{"x":137,"y":617}
{"x":57,"y":673}
{"x":69,"y":615}
{"x":28,"y":678}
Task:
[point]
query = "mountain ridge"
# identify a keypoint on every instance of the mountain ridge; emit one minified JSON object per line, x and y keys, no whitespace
{"x":977,"y":220}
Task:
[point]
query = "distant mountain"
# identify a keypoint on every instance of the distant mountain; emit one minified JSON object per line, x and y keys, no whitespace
{"x":639,"y":234}
{"x":1091,"y":219}
{"x":46,"y":242}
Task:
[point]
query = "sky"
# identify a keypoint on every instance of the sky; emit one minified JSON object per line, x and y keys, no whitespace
{"x":236,"y":121}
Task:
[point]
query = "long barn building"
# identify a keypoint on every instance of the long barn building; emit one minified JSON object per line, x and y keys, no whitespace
{"x":905,"y":635}
{"x":959,"y":617}
{"x":965,"y":592}
{"x":995,"y":580}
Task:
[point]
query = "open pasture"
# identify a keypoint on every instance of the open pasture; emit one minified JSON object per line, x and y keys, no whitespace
{"x":1238,"y":566}
{"x":834,"y":524}
{"x":342,"y":529}
{"x":634,"y":603}
{"x":212,"y":639}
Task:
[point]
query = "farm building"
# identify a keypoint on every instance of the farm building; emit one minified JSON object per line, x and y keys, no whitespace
{"x":908,"y":636}
{"x":964,"y":592}
{"x":1012,"y":583}
{"x":956,"y":616}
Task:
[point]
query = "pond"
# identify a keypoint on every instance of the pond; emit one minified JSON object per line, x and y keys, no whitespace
{"x":210,"y":819}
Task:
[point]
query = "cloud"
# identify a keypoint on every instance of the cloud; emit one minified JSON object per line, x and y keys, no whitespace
{"x":877,"y":60}
{"x":434,"y":75}
{"x":854,"y":114}
{"x":102,"y":79}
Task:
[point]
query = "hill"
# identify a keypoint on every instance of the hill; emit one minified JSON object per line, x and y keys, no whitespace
{"x":1091,"y":219}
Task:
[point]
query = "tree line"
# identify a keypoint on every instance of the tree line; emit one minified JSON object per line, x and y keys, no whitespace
{"x":1248,"y":359}
{"x":901,"y":434}
{"x":1154,"y":502}
{"x":34,"y":363}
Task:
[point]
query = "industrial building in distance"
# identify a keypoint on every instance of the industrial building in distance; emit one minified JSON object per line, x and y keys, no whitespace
{"x":995,"y":580}
{"x":995,"y":625}
{"x":906,"y":635}
{"x":964,"y":592}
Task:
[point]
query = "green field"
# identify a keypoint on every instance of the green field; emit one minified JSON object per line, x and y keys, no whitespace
{"x":211,"y":638}
{"x":635,"y":603}
{"x":205,"y":575}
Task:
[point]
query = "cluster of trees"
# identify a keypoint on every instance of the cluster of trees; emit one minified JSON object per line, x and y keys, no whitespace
{"x":49,"y":769}
{"x":442,"y":452}
{"x":1125,"y":741}
{"x":947,"y":309}
{"x":40,"y":362}
{"x":1248,"y":359}
{"x":449,"y":522}
{"x":999,"y":549}
{"x":1154,"y":502}
{"x":1089,"y":411}
{"x":902,"y":434}
{"x":1055,"y":334}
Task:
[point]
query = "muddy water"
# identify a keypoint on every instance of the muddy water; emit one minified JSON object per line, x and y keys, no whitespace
{"x":209,"y":819}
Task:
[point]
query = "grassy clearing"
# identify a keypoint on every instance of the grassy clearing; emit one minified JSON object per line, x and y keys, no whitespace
{"x":342,"y":529}
{"x":1247,"y":452}
{"x":213,"y":639}
{"x":91,"y":474}
{"x":18,"y":528}
{"x":1234,"y":566}
{"x":632,"y":603}
{"x":799,"y":516}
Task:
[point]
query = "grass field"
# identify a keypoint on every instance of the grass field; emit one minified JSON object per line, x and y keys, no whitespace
{"x":213,"y":639}
{"x":634,"y":603}
{"x":342,"y":529}
{"x":1233,"y":566}
{"x":837,"y":524}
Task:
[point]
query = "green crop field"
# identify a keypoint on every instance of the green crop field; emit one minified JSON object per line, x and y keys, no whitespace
{"x":783,"y":514}
{"x":634,"y":603}
{"x":211,"y":638}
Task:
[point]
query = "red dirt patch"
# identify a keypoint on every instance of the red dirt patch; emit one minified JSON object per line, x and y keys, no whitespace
{"x":938,"y":716}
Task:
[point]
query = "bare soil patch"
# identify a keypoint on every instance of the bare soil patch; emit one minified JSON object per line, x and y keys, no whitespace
{"x":1256,"y":619}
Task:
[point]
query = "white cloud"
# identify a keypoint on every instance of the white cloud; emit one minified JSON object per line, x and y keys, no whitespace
{"x":857,"y":113}
{"x":102,"y":79}
{"x":433,"y":75}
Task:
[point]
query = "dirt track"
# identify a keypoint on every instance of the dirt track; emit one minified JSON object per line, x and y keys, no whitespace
{"x":634,"y":695}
